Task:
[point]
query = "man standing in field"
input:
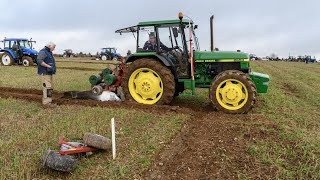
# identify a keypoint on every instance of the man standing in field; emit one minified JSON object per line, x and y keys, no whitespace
{"x":46,"y":68}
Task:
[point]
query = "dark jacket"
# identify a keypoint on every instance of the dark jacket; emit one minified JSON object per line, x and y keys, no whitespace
{"x":149,"y":47}
{"x":45,"y":55}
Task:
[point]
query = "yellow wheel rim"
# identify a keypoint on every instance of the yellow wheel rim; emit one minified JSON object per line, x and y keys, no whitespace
{"x":232,"y":94}
{"x":145,"y":86}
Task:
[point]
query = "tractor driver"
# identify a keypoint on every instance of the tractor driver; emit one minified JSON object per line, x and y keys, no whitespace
{"x":16,"y":49}
{"x":15,"y":46}
{"x":151,"y":44}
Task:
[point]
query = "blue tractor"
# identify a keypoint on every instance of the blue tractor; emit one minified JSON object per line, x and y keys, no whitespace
{"x":309,"y":59}
{"x":18,"y":51}
{"x":109,"y":54}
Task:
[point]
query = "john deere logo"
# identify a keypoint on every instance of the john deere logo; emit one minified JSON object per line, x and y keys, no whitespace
{"x":219,"y":60}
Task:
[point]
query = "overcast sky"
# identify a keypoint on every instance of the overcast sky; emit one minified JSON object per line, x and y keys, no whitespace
{"x":261,"y":27}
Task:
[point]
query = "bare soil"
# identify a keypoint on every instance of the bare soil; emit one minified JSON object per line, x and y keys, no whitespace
{"x":81,"y":69}
{"x":78,"y":68}
{"x":86,"y":62}
{"x":290,"y":90}
{"x":59,"y":98}
{"x":210,"y":144}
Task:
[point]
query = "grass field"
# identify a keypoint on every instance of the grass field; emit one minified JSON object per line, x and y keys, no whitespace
{"x":291,"y":147}
{"x":293,"y":103}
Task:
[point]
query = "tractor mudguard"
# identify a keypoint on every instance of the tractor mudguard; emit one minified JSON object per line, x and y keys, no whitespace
{"x":29,"y":51}
{"x":115,"y":54}
{"x":10,"y":52}
{"x":261,"y":81}
{"x":165,"y":61}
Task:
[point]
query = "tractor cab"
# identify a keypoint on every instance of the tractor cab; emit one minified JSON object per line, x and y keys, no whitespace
{"x":108,"y":50}
{"x":166,"y":40}
{"x":19,"y":51}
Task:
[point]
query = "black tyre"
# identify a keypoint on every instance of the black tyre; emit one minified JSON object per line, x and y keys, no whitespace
{"x":233,"y":91}
{"x":27,"y":61}
{"x":7,"y":59}
{"x":54,"y":160}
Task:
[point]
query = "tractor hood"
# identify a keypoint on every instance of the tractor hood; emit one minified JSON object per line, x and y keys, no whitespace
{"x":115,"y":54}
{"x":30,"y":51}
{"x":220,"y":55}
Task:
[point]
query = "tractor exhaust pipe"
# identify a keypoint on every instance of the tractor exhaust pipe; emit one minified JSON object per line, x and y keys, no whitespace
{"x":211,"y":32}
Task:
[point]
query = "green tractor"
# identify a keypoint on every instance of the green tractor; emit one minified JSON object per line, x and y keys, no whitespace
{"x":168,"y":63}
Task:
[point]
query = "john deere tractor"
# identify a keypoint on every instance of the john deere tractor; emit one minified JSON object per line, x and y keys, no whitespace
{"x":168,"y":63}
{"x":19,"y":51}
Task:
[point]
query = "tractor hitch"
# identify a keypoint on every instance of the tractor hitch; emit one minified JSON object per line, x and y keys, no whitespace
{"x":73,"y":147}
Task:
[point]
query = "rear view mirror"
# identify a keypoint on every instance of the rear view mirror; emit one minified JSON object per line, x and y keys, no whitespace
{"x":175,"y":32}
{"x":195,"y":27}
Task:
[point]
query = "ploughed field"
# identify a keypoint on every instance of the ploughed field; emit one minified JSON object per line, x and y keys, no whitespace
{"x":187,"y":139}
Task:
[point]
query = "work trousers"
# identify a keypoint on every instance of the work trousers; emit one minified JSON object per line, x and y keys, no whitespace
{"x":47,"y":89}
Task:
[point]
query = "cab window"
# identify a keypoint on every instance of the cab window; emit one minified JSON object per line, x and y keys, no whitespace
{"x":147,"y":41}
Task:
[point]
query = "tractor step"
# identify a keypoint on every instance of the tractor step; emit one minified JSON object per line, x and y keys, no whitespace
{"x":189,"y":87}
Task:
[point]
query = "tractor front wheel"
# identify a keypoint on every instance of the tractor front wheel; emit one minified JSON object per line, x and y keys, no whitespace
{"x":7,"y":59}
{"x":148,"y":81}
{"x":104,"y":57}
{"x":233,"y":92}
{"x":27,"y":61}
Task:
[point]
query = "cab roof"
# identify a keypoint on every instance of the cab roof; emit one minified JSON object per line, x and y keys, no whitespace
{"x":150,"y":23}
{"x":16,"y":39}
{"x":174,"y":21}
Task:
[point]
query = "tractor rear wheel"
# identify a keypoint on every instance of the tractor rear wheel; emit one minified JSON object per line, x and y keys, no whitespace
{"x":148,"y":81}
{"x":27,"y":61}
{"x":233,"y":91}
{"x":7,"y":59}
